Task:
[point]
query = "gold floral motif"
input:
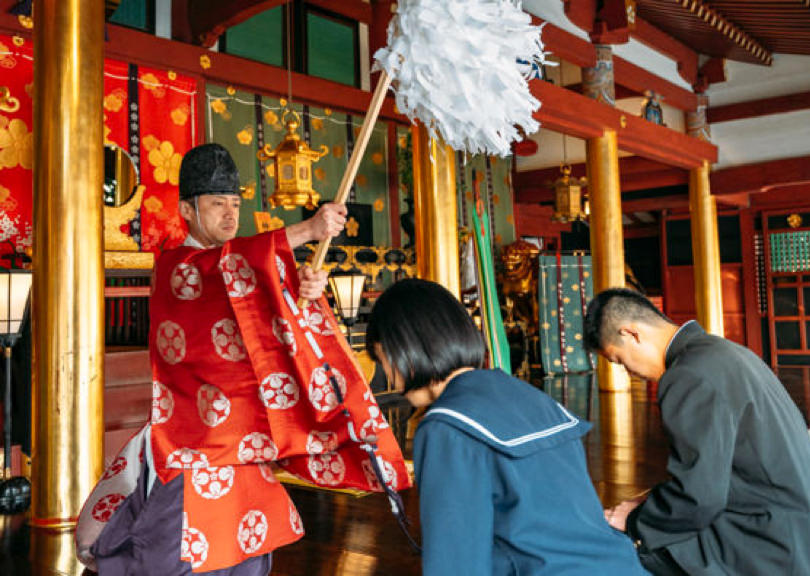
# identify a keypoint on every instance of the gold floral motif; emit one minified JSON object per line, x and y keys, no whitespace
{"x":327,"y":111}
{"x":362,"y":180}
{"x":496,"y":199}
{"x":377,"y":158}
{"x":15,"y":144}
{"x":498,"y":239}
{"x":510,"y":219}
{"x":379,"y":204}
{"x":248,"y":191}
{"x":245,"y":135}
{"x":205,"y":61}
{"x":115,"y":100}
{"x":575,"y":287}
{"x":172,"y":75}
{"x":402,"y":142}
{"x":230,"y":90}
{"x":219,"y":107}
{"x":151,"y":83}
{"x":166,"y":162}
{"x":25,"y":21}
{"x":317,"y":124}
{"x":352,"y":227}
{"x":270,"y":168}
{"x":577,"y":336}
{"x":356,"y":131}
{"x":337,"y":151}
{"x":6,"y":59}
{"x":149,"y":143}
{"x":271,"y":117}
{"x":319,"y":174}
{"x":180,"y":115}
{"x":153,"y":204}
{"x":18,"y":40}
{"x":7,"y":201}
{"x":283,"y":102}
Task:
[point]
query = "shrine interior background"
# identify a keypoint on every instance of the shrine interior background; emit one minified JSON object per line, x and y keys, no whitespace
{"x":173,"y":80}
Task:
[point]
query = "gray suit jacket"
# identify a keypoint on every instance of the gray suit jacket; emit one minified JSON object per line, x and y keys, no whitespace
{"x":738,"y":500}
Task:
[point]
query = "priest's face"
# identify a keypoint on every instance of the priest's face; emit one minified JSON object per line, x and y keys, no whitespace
{"x":215,"y":220}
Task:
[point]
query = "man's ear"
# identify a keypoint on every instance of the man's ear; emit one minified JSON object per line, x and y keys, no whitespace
{"x":630,"y":331}
{"x":186,"y":210}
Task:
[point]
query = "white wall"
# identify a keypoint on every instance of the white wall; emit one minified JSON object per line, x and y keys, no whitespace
{"x":762,"y":139}
{"x":788,"y":74}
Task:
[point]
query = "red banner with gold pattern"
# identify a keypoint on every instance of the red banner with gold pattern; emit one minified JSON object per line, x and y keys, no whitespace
{"x":16,"y":74}
{"x":149,"y":113}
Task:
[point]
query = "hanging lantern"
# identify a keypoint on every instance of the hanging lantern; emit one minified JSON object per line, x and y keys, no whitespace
{"x":293,"y":162}
{"x":568,"y":196}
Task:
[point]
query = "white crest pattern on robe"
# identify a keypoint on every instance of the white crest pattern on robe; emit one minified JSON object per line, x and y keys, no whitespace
{"x":279,"y":391}
{"x":252,"y":531}
{"x":186,"y":282}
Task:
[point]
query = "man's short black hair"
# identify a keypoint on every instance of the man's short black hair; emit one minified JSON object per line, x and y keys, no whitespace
{"x":424,"y":331}
{"x":612,"y":306}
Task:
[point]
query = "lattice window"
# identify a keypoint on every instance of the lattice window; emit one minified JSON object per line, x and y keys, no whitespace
{"x":790,"y":251}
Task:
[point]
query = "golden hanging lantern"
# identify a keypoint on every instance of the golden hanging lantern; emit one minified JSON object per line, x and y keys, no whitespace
{"x":568,"y":205}
{"x":293,"y":162}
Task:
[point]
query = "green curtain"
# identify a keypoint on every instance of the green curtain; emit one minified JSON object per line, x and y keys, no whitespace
{"x":565,"y":286}
{"x":233,"y":119}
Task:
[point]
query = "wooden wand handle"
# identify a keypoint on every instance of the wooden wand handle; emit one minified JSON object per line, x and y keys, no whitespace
{"x":354,"y":162}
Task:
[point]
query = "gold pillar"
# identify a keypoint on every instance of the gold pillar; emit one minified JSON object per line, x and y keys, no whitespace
{"x":618,"y":445}
{"x":434,"y":179}
{"x":607,"y":239}
{"x":705,"y":251}
{"x":68,"y":285}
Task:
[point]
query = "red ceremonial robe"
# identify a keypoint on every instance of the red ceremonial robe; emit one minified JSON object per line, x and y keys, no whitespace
{"x":241,"y":377}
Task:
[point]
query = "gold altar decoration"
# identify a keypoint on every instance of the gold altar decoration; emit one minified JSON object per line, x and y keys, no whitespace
{"x":568,"y":204}
{"x":370,"y":260}
{"x":293,"y":162}
{"x":519,"y":283}
{"x":120,"y":249}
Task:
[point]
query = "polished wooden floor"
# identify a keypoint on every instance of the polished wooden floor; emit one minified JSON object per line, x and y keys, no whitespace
{"x":349,"y":536}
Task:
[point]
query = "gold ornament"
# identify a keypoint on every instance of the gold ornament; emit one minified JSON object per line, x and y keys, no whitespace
{"x":794,"y":220}
{"x":293,"y":161}
{"x":568,"y":196}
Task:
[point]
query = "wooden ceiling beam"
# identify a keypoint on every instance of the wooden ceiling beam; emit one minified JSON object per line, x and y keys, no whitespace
{"x":686,"y":58}
{"x":570,"y":113}
{"x":755,"y":108}
{"x":728,"y":29}
{"x":761,"y":177}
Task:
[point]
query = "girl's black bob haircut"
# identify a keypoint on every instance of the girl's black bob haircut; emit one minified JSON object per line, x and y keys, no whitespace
{"x":424,"y":332}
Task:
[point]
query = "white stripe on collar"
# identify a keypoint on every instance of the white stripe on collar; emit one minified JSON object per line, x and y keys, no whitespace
{"x":192,"y":242}
{"x":678,"y":331}
{"x":572,"y":421}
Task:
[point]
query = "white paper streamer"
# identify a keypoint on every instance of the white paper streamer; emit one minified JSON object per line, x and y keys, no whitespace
{"x":454,"y":65}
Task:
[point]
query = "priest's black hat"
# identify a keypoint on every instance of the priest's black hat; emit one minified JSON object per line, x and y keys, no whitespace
{"x":208,"y":169}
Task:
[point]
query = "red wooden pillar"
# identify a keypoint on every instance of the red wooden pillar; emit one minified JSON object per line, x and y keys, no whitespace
{"x":753,"y":321}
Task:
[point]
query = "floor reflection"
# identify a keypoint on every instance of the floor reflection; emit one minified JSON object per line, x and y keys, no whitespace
{"x":350,"y":536}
